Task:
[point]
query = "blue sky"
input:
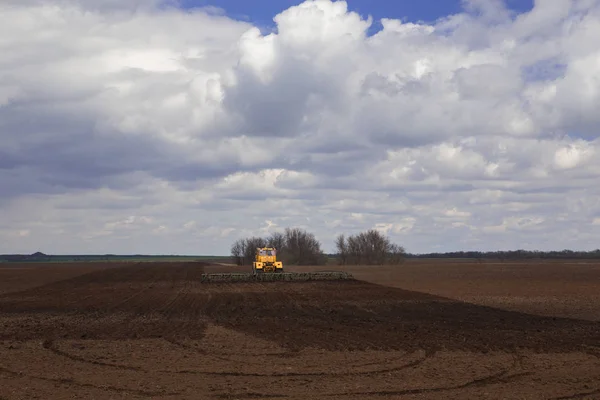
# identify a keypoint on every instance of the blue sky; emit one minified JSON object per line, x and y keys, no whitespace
{"x":261,"y":12}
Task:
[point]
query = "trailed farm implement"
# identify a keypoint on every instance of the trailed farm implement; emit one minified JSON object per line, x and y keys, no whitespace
{"x":276,"y":276}
{"x":266,"y":268}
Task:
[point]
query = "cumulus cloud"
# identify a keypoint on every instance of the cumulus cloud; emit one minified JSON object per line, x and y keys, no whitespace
{"x":139,"y":126}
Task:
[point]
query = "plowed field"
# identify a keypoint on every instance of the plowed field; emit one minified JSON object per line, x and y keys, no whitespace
{"x":424,"y":330}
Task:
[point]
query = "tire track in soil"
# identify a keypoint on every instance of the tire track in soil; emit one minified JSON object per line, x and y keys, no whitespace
{"x":73,"y":382}
{"x":166,"y":310}
{"x":504,"y":376}
{"x":152,"y":272}
{"x":411,"y":364}
{"x":50,"y":345}
{"x":591,"y":350}
{"x":581,"y":395}
{"x":203,"y":352}
{"x":224,"y":356}
{"x":252,"y":395}
{"x":255,"y":395}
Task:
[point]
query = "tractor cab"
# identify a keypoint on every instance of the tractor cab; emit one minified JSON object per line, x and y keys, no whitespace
{"x":265,"y":253}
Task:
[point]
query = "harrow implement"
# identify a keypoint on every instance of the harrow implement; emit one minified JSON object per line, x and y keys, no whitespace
{"x":276,"y":276}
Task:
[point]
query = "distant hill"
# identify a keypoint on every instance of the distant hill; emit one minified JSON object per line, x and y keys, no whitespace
{"x":37,"y":256}
{"x":41,"y":257}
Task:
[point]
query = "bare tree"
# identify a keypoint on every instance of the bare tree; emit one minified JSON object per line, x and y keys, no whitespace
{"x":243,"y":250}
{"x":342,"y":249}
{"x":397,"y":254}
{"x":302,"y":248}
{"x":238,"y":250}
{"x":277,"y":240}
{"x":354,"y":251}
{"x":370,"y":248}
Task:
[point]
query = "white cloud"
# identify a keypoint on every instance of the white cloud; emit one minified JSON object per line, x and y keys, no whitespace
{"x":137,"y":126}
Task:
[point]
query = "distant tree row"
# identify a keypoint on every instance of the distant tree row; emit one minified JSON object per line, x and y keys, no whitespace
{"x":513,"y":254}
{"x":297,"y":247}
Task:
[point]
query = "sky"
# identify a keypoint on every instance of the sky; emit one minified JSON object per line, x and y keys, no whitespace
{"x":177,"y":127}
{"x":261,"y":12}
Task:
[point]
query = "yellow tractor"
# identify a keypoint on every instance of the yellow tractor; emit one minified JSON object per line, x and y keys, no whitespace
{"x":265,"y":260}
{"x":266,"y":268}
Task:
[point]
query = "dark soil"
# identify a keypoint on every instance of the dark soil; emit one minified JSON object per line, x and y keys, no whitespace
{"x":154,"y":330}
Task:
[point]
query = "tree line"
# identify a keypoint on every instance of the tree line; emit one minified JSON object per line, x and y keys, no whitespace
{"x":296,"y":246}
{"x":514,"y":254}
